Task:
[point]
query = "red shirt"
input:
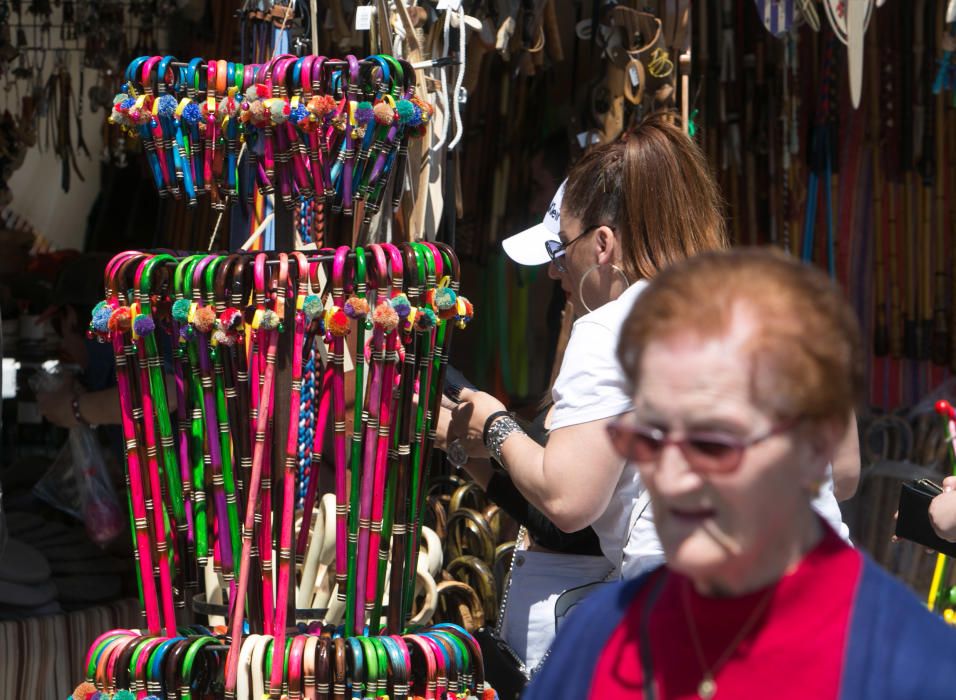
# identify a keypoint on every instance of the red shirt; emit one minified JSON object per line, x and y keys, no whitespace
{"x":795,"y":650}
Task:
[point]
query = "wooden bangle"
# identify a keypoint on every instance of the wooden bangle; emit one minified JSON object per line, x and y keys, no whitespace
{"x":459,"y":603}
{"x":257,"y":666}
{"x":243,"y":680}
{"x":308,"y":667}
{"x":323,"y":669}
{"x":338,"y":669}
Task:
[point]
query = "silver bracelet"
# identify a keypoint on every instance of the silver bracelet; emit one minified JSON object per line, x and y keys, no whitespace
{"x":498,"y":432}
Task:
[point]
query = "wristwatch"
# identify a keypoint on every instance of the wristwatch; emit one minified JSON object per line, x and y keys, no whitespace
{"x":499,"y":429}
{"x":457,"y":454}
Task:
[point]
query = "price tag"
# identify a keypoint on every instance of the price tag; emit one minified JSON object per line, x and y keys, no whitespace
{"x":363,"y":17}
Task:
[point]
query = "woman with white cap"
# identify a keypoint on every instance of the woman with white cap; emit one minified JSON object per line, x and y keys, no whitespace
{"x":627,"y":210}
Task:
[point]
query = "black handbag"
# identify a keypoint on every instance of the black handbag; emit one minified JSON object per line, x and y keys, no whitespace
{"x":912,"y":522}
{"x":504,"y":670}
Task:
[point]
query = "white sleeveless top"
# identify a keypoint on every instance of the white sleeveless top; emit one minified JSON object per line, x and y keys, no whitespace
{"x":591,"y":386}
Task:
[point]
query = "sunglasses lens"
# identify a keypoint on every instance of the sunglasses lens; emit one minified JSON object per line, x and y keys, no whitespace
{"x":705,"y":453}
{"x":713,"y":455}
{"x":555,"y":252}
{"x":645,"y":448}
{"x":635,"y":445}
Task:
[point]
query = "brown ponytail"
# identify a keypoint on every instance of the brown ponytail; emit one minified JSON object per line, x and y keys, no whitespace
{"x":654,"y":188}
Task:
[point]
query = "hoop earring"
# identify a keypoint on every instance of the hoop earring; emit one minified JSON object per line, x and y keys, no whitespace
{"x":595,"y":266}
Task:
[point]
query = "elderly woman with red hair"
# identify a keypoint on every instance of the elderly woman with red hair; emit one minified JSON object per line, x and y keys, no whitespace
{"x":744,"y":367}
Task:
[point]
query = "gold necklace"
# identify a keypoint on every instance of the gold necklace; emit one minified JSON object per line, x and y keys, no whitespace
{"x":707,"y":688}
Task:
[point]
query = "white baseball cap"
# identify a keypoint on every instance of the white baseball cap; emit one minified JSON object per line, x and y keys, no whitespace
{"x":527,"y":247}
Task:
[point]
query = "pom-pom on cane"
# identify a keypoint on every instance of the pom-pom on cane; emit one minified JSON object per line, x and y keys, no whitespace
{"x":83,"y":691}
{"x":405,"y":111}
{"x":364,"y":113}
{"x":424,"y":107}
{"x":143,"y":324}
{"x":312,"y":306}
{"x":270,"y":320}
{"x":204,"y":320}
{"x":124,"y":695}
{"x":120,"y":112}
{"x":181,"y":310}
{"x":321,"y":105}
{"x":298,"y":114}
{"x":356,"y":308}
{"x":118,"y":117}
{"x":279,"y":110}
{"x":120,"y":320}
{"x":191,"y":113}
{"x":385,"y":317}
{"x":443,"y":301}
{"x":220,"y":337}
{"x":415,"y":121}
{"x":228,"y":108}
{"x":139,"y":113}
{"x":336,"y":322}
{"x":489,"y":694}
{"x":401,"y":304}
{"x":426,"y":319}
{"x":384,"y":114}
{"x":944,"y":408}
{"x":258,"y":114}
{"x":166,"y":106}
{"x":230,"y":319}
{"x":101,"y":317}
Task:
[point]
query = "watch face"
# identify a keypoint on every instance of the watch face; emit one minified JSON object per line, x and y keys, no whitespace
{"x":457,"y":454}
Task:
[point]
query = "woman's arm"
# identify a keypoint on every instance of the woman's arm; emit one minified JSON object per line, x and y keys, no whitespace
{"x":570,"y":481}
{"x":502,"y":491}
{"x":96,"y":407}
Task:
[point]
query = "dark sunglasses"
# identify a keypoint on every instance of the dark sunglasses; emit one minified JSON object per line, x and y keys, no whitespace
{"x":704,"y":451}
{"x":556,"y":248}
